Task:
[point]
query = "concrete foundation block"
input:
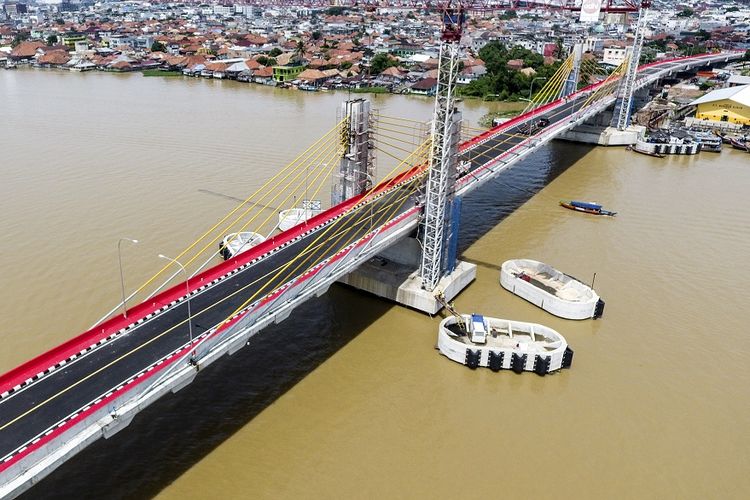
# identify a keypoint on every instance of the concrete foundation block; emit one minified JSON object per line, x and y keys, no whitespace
{"x":401,"y":283}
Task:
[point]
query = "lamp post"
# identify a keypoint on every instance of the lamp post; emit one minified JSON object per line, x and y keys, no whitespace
{"x":122,"y":277}
{"x":187,"y":294}
{"x":531,"y":87}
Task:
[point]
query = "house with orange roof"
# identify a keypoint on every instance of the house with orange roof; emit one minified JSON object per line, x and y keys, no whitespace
{"x":25,"y":51}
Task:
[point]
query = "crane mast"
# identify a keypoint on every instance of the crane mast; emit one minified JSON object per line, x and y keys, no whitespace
{"x":443,"y":155}
{"x":625,"y":92}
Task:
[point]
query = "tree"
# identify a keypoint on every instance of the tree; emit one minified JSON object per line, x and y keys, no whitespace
{"x":266,"y":61}
{"x":686,"y":12}
{"x":316,"y":35}
{"x":52,"y":40}
{"x":747,"y":55}
{"x":157,"y":46}
{"x":275,"y":52}
{"x":299,"y":52}
{"x":20,"y":37}
{"x":381,"y":62}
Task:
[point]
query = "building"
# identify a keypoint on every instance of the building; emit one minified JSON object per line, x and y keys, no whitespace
{"x":614,"y":55}
{"x":738,"y":80}
{"x":287,"y":73}
{"x":731,"y":105}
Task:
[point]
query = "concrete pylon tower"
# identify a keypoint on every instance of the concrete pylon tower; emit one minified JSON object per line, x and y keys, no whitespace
{"x":356,"y":172}
{"x":571,"y":84}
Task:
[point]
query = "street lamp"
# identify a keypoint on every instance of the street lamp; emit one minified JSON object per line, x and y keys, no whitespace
{"x":187,"y":294}
{"x":531,"y":87}
{"x":122,"y":277}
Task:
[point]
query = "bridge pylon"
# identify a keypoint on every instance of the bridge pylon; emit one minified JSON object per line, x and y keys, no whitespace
{"x":356,"y":173}
{"x":439,"y":277}
{"x":571,"y":84}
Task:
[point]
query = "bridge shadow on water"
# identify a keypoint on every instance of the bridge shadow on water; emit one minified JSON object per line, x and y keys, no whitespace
{"x":176,"y":432}
{"x":489,"y":205}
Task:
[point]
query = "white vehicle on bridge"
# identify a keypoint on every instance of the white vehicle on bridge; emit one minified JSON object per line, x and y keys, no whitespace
{"x":235,"y":243}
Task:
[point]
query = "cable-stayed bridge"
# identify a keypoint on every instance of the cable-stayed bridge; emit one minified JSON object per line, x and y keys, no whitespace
{"x":92,"y":386}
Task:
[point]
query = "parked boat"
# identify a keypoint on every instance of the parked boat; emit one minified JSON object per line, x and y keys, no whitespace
{"x":552,"y":290}
{"x":676,"y":142}
{"x":235,"y":243}
{"x":740,"y":144}
{"x":644,"y":152}
{"x":500,"y":344}
{"x":587,"y":207}
{"x":709,"y":142}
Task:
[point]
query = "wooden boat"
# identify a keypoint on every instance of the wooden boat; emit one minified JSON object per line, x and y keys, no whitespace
{"x":501,"y":344}
{"x":586,"y":207}
{"x":740,"y":144}
{"x":643,"y":152}
{"x":552,"y":290}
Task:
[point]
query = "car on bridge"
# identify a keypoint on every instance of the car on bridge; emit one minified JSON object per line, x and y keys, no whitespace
{"x":534,"y":126}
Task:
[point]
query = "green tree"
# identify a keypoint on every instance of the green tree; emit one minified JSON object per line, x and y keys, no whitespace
{"x":747,"y":55}
{"x":299,"y":52}
{"x":51,"y":40}
{"x":157,"y":46}
{"x":316,"y":35}
{"x":275,"y":52}
{"x":381,"y":62}
{"x":686,"y":12}
{"x":20,"y":37}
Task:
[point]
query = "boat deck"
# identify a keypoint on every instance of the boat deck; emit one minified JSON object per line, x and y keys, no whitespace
{"x":551,"y":285}
{"x":501,"y":338}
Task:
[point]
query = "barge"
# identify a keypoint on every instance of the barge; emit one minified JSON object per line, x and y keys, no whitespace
{"x":549,"y":289}
{"x":500,"y":344}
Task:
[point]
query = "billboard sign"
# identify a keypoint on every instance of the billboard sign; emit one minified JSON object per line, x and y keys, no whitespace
{"x":590,"y":10}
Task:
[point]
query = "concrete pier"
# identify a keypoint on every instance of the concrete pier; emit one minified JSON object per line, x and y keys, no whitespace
{"x":394,"y":275}
{"x":597,"y":131}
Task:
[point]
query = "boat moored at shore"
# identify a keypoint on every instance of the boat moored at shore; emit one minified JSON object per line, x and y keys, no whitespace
{"x":500,"y":344}
{"x":550,"y":289}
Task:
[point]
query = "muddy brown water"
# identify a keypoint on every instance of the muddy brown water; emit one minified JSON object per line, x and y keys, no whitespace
{"x":348,"y":398}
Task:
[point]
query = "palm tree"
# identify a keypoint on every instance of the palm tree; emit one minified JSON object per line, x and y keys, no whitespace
{"x":299,"y":52}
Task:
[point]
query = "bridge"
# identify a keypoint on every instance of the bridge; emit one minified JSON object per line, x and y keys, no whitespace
{"x":93,"y":385}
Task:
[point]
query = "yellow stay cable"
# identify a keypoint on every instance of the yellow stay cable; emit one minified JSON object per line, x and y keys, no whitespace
{"x":366,"y":199}
{"x":247,"y":201}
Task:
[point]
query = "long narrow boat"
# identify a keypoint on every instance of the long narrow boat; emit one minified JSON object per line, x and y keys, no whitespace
{"x":501,"y":344}
{"x":644,"y":152}
{"x":552,"y":290}
{"x":740,"y":144}
{"x":587,"y":207}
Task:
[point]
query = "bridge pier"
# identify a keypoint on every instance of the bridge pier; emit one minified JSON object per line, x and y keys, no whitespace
{"x":394,"y":275}
{"x":598,"y":130}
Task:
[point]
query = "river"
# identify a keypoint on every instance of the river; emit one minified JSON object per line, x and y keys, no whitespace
{"x":349,"y":398}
